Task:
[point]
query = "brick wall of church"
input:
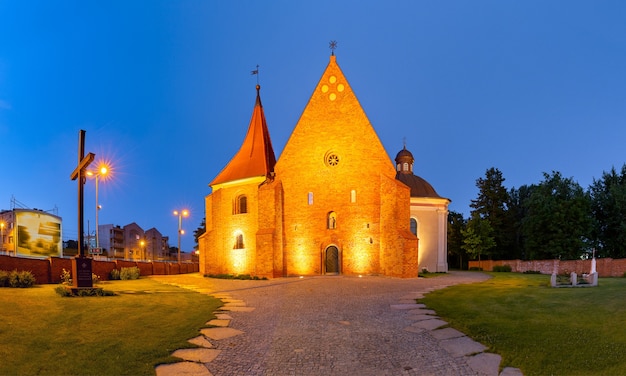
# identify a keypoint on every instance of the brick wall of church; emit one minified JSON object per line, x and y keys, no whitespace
{"x":221,"y":253}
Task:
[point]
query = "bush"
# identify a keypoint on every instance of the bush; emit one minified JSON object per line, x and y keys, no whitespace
{"x":476,"y":268}
{"x":96,"y":291}
{"x":129,"y":273}
{"x":63,"y":291}
{"x":66,"y":277}
{"x":114,"y":275}
{"x":16,"y":278}
{"x":21,"y":279}
{"x":95,"y":278}
{"x":4,"y":278}
{"x":502,"y":268}
{"x":532,"y":272}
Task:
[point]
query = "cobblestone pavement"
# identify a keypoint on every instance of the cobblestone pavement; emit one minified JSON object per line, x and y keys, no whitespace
{"x":334,"y":325}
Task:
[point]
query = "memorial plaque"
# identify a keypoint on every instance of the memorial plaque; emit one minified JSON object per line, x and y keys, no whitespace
{"x":81,"y":272}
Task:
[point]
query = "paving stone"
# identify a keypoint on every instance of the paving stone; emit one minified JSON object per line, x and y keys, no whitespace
{"x":219,"y":322}
{"x":220,"y":333}
{"x":182,"y":369}
{"x":223,"y":316}
{"x":422,"y":311}
{"x":420,"y":317}
{"x":431,"y":324}
{"x":237,"y":309}
{"x":413,"y":295}
{"x":462,"y":346}
{"x":231,"y":300}
{"x":201,"y":341}
{"x":404,"y":306}
{"x":446,"y":333}
{"x":510,"y":371}
{"x":485,"y":363}
{"x":199,"y":355}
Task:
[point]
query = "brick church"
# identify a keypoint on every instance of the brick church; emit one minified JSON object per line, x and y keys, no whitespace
{"x":333,"y":203}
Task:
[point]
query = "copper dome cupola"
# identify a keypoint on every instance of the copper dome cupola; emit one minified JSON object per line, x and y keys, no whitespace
{"x":404,"y":162}
{"x":404,"y":173}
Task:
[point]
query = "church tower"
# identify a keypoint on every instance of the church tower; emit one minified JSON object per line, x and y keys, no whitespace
{"x":232,"y":208}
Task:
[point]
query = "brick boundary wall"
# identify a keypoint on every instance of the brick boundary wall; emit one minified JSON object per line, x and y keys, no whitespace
{"x":606,"y":267}
{"x":49,"y":270}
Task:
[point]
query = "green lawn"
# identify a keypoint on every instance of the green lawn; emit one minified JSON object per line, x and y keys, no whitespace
{"x":539,"y":329}
{"x":42,"y":333}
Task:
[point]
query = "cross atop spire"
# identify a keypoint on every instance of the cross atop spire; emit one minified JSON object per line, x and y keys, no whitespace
{"x":332,"y":45}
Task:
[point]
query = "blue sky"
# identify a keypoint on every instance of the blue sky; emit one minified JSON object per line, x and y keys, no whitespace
{"x":164,"y":91}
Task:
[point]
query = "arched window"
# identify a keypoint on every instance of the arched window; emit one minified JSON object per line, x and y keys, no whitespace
{"x":405,"y":166}
{"x":238,"y":241}
{"x":332,"y":220}
{"x":240,"y":206}
{"x":353,"y":196}
{"x":414,"y":226}
{"x":310,"y":198}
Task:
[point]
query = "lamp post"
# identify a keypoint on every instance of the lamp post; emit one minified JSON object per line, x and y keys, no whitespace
{"x":102,"y":171}
{"x":180,"y":214}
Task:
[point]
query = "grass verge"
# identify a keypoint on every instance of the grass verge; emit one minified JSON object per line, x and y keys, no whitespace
{"x":539,"y":329}
{"x":42,"y":333}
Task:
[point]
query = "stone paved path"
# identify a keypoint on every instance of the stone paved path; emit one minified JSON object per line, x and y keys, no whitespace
{"x":333,"y":325}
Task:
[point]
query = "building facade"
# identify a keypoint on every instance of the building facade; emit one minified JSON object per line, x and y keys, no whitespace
{"x":31,"y":233}
{"x":332,"y":203}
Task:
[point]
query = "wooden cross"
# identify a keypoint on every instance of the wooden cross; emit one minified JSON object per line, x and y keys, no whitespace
{"x":79,"y":174}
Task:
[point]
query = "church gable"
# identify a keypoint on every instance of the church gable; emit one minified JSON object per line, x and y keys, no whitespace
{"x":334,"y":130}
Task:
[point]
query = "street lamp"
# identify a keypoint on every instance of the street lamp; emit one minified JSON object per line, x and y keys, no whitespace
{"x":180,"y":214}
{"x":102,"y":171}
{"x":143,"y":249}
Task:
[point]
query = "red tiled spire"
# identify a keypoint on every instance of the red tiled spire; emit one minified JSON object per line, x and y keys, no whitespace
{"x":256,"y":155}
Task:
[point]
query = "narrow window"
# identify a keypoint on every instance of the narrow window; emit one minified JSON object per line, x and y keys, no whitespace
{"x":353,"y":196}
{"x":405,"y":166}
{"x":243,"y":204}
{"x":238,"y":241}
{"x":414,"y":226}
{"x":240,"y":206}
{"x":332,"y":220}
{"x":310,"y":198}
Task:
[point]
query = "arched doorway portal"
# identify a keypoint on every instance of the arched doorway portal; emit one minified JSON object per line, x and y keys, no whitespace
{"x":331,"y":260}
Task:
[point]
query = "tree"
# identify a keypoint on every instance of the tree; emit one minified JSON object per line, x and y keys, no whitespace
{"x":492,"y":205}
{"x":608,"y":208}
{"x":199,"y":231}
{"x":478,"y":237}
{"x":456,"y":224}
{"x":558,"y":221}
{"x":517,"y":213}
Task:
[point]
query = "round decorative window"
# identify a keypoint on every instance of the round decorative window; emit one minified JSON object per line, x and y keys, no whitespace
{"x":332,"y":159}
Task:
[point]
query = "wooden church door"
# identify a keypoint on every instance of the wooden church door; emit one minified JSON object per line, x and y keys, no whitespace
{"x":331,"y":260}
